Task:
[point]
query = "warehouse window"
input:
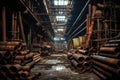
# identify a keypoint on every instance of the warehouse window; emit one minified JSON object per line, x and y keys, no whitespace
{"x":60,"y":2}
{"x":60,"y":18}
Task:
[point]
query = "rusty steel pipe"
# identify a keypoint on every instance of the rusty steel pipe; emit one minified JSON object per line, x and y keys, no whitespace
{"x":87,"y":58}
{"x":107,"y":67}
{"x":23,"y":52}
{"x":17,"y":61}
{"x":111,"y":45}
{"x":8,"y":55}
{"x":7,"y":48}
{"x":86,"y":64}
{"x":82,"y":51}
{"x":117,"y":55}
{"x":23,"y":74}
{"x":109,"y":49}
{"x":15,"y":68}
{"x":29,"y":56}
{"x":10,"y":43}
{"x":108,"y":60}
{"x":78,"y":57}
{"x":19,"y":57}
{"x":75,"y":63}
{"x":103,"y":77}
{"x":69,"y":55}
{"x":5,"y":68}
{"x":103,"y":71}
{"x":36,"y":55}
{"x":28,"y":66}
{"x":2,"y":54}
{"x":26,"y":61}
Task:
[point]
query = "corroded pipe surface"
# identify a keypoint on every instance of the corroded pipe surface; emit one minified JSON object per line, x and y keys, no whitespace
{"x":103,"y":77}
{"x":82,"y":51}
{"x":109,"y":49}
{"x":108,"y":60}
{"x":113,"y":70}
{"x":78,"y":57}
{"x":75,"y":63}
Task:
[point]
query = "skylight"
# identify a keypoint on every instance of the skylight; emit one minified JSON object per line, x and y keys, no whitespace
{"x":60,"y":18}
{"x":60,"y":2}
{"x":60,"y":29}
{"x":63,"y":17}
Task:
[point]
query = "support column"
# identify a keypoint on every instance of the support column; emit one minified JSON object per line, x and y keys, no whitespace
{"x":4,"y":23}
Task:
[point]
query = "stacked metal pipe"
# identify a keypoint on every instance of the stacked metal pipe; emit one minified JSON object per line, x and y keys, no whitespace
{"x":16,"y":63}
{"x":79,"y":61}
{"x":106,"y":63}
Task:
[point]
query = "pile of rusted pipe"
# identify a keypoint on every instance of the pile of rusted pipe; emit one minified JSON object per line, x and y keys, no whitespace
{"x":16,"y":63}
{"x":79,"y":61}
{"x":106,"y":63}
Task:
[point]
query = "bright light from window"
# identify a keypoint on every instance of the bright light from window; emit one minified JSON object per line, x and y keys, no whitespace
{"x":60,"y":29}
{"x":62,"y":38}
{"x":60,"y":18}
{"x":60,"y":12}
{"x":63,"y":17}
{"x":56,"y":39}
{"x":60,"y":2}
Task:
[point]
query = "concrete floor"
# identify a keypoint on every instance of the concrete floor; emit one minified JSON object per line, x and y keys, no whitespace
{"x":57,"y":67}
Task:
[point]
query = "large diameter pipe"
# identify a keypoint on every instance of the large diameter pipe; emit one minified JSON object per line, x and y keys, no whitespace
{"x":78,"y":57}
{"x":5,"y":54}
{"x":15,"y":68}
{"x":28,"y":66}
{"x":109,"y":49}
{"x":86,"y":64}
{"x":103,"y":71}
{"x":107,"y":67}
{"x":107,"y":60}
{"x":23,"y":74}
{"x":110,"y":55}
{"x":5,"y":68}
{"x":110,"y":75}
{"x":103,"y":77}
{"x":75,"y":63}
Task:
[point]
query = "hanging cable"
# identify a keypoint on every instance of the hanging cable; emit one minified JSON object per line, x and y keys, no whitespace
{"x":78,"y":27}
{"x":78,"y":16}
{"x":78,"y":32}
